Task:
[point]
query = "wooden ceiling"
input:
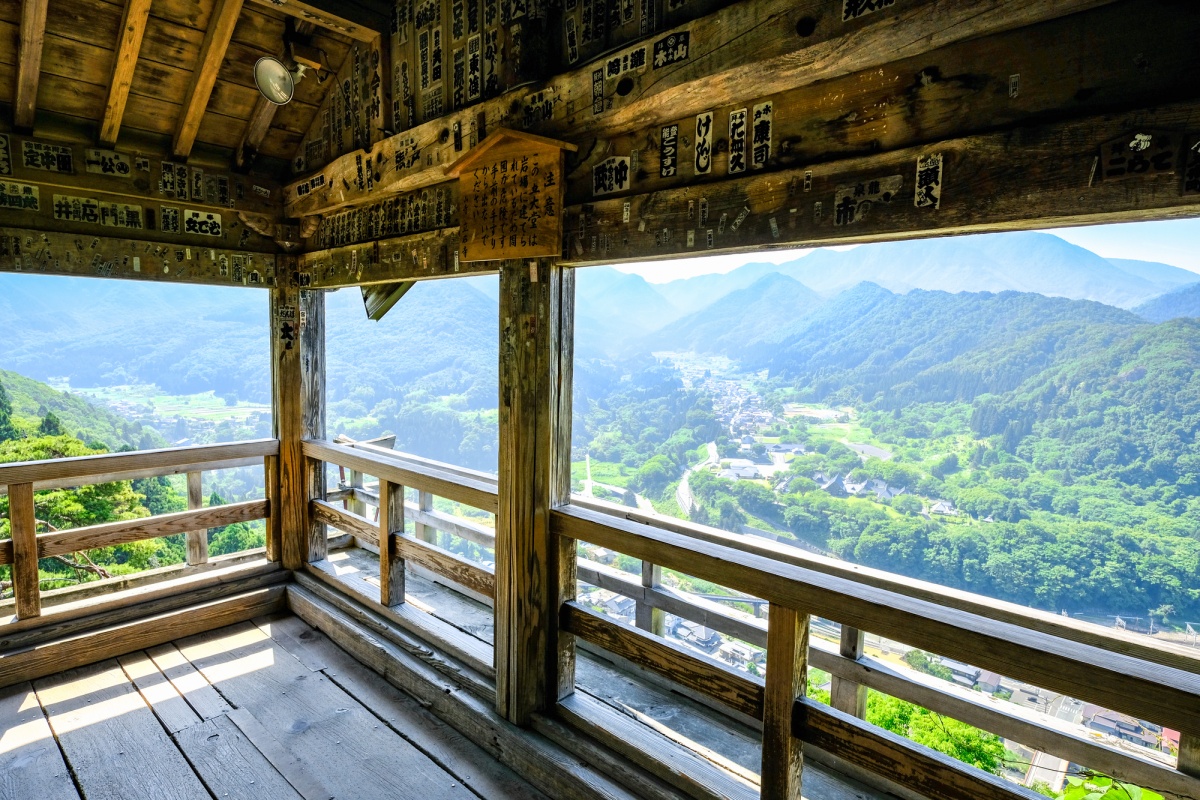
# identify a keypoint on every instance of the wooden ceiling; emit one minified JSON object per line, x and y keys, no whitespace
{"x":180,"y":70}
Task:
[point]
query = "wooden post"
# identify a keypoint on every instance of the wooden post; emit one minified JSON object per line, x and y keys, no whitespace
{"x":26,"y":585}
{"x":535,"y":571}
{"x":298,"y":383}
{"x":391,"y":523}
{"x":787,"y":667}
{"x":420,"y":529}
{"x":650,"y":618}
{"x":353,"y":504}
{"x":1189,"y":753}
{"x":274,"y":516}
{"x":848,"y":696}
{"x":197,"y":541}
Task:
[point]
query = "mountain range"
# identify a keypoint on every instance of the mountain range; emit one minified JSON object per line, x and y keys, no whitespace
{"x":441,"y":339}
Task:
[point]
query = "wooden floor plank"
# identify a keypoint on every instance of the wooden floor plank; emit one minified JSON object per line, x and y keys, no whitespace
{"x":230,"y":764}
{"x":164,"y":700}
{"x":31,"y":765}
{"x":450,"y":749}
{"x":190,"y":684}
{"x":111,"y":739}
{"x":338,"y":740}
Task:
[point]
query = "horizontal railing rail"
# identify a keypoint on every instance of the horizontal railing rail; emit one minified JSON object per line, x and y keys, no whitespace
{"x":20,"y":482}
{"x":1151,"y":681}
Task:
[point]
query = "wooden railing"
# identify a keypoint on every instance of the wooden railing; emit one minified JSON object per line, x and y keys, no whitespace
{"x":396,"y":472}
{"x":1147,"y":679}
{"x":21,"y":480}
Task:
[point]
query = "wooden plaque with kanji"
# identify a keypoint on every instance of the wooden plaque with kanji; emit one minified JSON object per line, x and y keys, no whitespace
{"x":510,"y":197}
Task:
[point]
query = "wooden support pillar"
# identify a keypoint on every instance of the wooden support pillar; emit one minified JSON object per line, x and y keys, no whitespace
{"x":787,"y":668}
{"x":353,"y":504}
{"x":298,"y":398}
{"x":848,"y":696}
{"x":29,"y":62}
{"x":197,"y":541}
{"x":649,"y":618}
{"x":23,"y":520}
{"x":1189,"y":753}
{"x":391,"y":523}
{"x":535,"y":571}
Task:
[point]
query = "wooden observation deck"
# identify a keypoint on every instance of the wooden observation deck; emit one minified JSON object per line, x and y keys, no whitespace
{"x":356,"y":656}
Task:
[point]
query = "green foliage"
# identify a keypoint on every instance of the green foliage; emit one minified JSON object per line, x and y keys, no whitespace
{"x":33,"y":404}
{"x":1094,"y":786}
{"x":921,"y":662}
{"x":951,"y":737}
{"x":7,"y":430}
{"x":51,"y":425}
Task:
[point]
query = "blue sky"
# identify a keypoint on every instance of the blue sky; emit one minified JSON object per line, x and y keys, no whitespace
{"x":1175,"y":242}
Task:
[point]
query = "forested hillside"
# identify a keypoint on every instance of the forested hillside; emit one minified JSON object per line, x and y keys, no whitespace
{"x":32,"y":402}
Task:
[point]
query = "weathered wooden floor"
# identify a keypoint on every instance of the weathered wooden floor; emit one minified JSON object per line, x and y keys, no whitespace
{"x":264,"y":710}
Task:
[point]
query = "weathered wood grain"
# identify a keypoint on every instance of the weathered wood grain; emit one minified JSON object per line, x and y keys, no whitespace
{"x":274,"y":532}
{"x":163,"y":699}
{"x":29,"y":60}
{"x":110,"y":534}
{"x":679,"y":766}
{"x":405,"y":472}
{"x":530,"y":666}
{"x":84,"y":468}
{"x":133,"y":28}
{"x":848,"y":696}
{"x":197,"y":540}
{"x":204,"y":75}
{"x":329,"y":15}
{"x":360,"y":527}
{"x":917,"y":768}
{"x":1134,"y":645}
{"x":744,"y":49}
{"x":312,"y":408}
{"x":31,"y":764}
{"x":190,"y":684}
{"x":115,"y":640}
{"x":478,"y":579}
{"x":229,"y":763}
{"x":679,"y":664}
{"x":540,"y":761}
{"x":116,"y":748}
{"x":787,"y":680}
{"x":24,"y":542}
{"x":148,"y":472}
{"x":399,"y":711}
{"x":391,"y":552}
{"x":1149,"y":691}
{"x":346,"y":748}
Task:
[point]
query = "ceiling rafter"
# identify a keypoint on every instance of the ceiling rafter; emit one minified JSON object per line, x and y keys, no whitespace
{"x":264,"y":110}
{"x":204,"y":76}
{"x":363,"y":21}
{"x":133,"y":28}
{"x":29,"y":69}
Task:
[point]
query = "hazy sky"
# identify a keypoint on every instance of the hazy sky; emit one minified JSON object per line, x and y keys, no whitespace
{"x":1176,"y":242}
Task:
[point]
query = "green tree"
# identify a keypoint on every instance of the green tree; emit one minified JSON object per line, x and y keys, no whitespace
{"x":951,"y":737}
{"x":7,"y":430}
{"x":51,"y":425}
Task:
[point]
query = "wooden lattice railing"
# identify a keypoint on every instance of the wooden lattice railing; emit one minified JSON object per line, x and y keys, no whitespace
{"x":1147,"y":679}
{"x":21,"y":480}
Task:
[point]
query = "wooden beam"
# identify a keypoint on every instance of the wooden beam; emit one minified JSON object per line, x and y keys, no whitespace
{"x":391,"y":559}
{"x":535,"y":667}
{"x":1149,"y":691}
{"x":264,"y":110}
{"x":1035,"y":177}
{"x":204,"y":75}
{"x":23,"y":521}
{"x":102,"y":643}
{"x":92,"y":469}
{"x":787,"y":679}
{"x":109,"y":534}
{"x":29,"y":62}
{"x":133,"y":27}
{"x":743,"y":51}
{"x":362,"y":22}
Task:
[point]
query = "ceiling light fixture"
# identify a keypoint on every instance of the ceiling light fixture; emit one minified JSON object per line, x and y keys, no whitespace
{"x":276,"y":82}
